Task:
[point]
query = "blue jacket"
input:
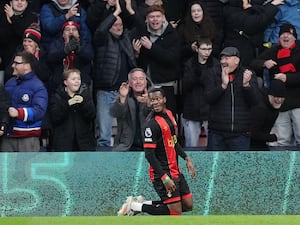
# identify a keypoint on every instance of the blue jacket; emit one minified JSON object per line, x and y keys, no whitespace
{"x":56,"y":56}
{"x":288,"y":13}
{"x":29,"y":96}
{"x":52,"y":18}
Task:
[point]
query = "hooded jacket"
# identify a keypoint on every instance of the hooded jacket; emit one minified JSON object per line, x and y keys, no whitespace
{"x":52,"y":17}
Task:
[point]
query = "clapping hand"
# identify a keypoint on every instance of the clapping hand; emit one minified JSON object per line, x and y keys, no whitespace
{"x":9,"y":12}
{"x":136,"y":44}
{"x":76,"y":99}
{"x":225,"y":77}
{"x":247,"y":77}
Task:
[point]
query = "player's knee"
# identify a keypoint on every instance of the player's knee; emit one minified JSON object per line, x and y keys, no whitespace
{"x":187,"y":206}
{"x":175,"y":212}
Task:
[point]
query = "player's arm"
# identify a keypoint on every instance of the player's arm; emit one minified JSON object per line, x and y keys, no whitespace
{"x":151,"y":136}
{"x":189,"y":164}
{"x":180,"y":151}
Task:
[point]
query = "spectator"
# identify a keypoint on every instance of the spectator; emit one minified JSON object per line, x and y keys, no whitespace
{"x":143,"y":6}
{"x":4,"y":116}
{"x":114,"y":59}
{"x":231,"y":93}
{"x":196,"y":24}
{"x":245,"y":25}
{"x":73,"y":114}
{"x":214,"y":8}
{"x":29,"y":100}
{"x":68,"y":52}
{"x":282,"y":62}
{"x":100,"y":9}
{"x":195,"y":106}
{"x":15,"y":17}
{"x":31,"y":44}
{"x":265,"y":114}
{"x":54,"y":14}
{"x":131,"y":110}
{"x":288,"y":13}
{"x":157,"y":46}
{"x":175,"y":10}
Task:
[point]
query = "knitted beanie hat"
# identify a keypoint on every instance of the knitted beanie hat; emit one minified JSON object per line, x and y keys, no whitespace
{"x":288,"y":28}
{"x":33,"y":32}
{"x":70,"y":23}
{"x":277,"y":88}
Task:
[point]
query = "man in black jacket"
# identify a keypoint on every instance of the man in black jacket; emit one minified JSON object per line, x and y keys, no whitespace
{"x":231,"y":93}
{"x":4,"y":105}
{"x":265,"y":114}
{"x":114,"y":59}
{"x":282,"y":63}
{"x":158,"y":49}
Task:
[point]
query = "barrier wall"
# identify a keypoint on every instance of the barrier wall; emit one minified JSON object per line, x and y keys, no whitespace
{"x":96,"y":183}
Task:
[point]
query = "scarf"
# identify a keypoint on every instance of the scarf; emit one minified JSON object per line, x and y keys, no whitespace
{"x":69,"y":61}
{"x":285,"y":64}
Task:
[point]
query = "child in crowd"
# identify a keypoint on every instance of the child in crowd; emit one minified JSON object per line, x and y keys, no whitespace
{"x":72,"y":113}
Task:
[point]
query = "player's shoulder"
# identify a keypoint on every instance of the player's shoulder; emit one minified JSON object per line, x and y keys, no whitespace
{"x":151,"y":123}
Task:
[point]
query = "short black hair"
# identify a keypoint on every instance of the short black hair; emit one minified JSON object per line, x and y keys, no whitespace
{"x":28,"y":58}
{"x":157,"y":89}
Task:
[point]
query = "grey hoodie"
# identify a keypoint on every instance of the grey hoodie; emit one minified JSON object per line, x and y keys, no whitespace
{"x":69,"y":5}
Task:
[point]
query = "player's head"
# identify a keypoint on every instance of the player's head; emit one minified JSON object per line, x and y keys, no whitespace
{"x":157,"y":99}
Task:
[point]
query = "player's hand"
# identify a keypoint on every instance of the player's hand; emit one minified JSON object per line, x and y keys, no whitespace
{"x":191,"y":168}
{"x":170,"y":186}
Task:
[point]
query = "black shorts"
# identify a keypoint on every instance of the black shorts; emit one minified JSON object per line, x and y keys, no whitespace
{"x":182,"y":190}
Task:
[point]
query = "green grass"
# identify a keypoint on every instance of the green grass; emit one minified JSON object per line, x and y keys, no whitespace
{"x":154,"y":220}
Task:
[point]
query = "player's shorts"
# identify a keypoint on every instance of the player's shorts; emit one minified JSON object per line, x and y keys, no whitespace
{"x":182,"y":190}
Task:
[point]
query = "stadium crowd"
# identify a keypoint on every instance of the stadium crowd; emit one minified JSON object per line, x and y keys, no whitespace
{"x":71,"y":71}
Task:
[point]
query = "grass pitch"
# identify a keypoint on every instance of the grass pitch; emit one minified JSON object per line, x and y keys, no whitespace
{"x":154,"y":220}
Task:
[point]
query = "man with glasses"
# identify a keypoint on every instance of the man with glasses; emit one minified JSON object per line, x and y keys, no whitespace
{"x":29,"y":100}
{"x":69,"y":52}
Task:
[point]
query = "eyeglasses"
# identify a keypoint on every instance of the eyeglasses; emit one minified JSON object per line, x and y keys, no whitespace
{"x":70,"y":29}
{"x":205,"y":49}
{"x":18,"y":63}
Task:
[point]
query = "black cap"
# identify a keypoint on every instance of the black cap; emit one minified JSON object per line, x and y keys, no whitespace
{"x":230,"y":51}
{"x":277,"y":88}
{"x":289,"y":28}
